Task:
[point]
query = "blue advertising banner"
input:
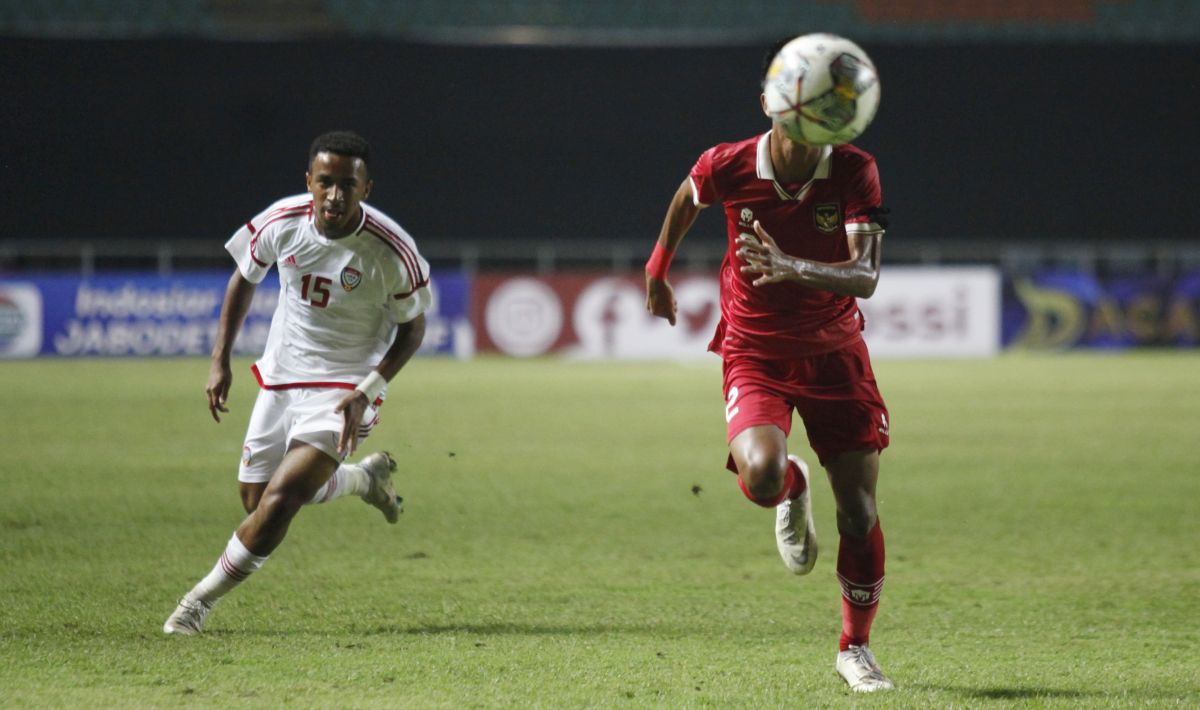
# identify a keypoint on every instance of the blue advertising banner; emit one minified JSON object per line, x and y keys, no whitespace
{"x":140,"y":314}
{"x":1058,"y":309}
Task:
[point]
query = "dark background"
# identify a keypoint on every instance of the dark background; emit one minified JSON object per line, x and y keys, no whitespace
{"x":179,"y":138}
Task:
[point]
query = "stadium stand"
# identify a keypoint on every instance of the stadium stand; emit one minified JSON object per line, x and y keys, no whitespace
{"x":1170,"y":25}
{"x":105,"y":18}
{"x":616,"y":21}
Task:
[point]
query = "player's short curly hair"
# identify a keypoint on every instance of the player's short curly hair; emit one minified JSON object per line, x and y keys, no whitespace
{"x":769,"y":56}
{"x":347,"y":143}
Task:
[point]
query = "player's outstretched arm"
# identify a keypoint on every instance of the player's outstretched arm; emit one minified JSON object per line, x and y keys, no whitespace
{"x":408,"y":338}
{"x":238,"y":295}
{"x":858,"y":276}
{"x":681,"y":214}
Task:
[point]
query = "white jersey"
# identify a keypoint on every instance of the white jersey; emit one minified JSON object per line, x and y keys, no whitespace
{"x":339,"y":299}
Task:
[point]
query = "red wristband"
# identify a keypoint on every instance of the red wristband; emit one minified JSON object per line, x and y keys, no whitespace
{"x":660,"y":262}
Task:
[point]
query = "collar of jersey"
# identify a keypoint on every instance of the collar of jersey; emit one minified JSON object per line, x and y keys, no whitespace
{"x":362,"y":222}
{"x":766,"y":171}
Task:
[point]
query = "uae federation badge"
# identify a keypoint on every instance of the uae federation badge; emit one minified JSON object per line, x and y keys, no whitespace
{"x":827,"y":217}
{"x":351,"y":277}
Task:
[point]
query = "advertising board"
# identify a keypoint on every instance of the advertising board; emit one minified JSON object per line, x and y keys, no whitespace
{"x":915,"y":312}
{"x":141,"y":314}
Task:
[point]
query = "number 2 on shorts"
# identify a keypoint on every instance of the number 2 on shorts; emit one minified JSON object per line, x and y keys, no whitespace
{"x":731,"y":410}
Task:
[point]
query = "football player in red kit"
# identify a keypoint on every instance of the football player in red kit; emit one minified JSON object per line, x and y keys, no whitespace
{"x":804,"y":230}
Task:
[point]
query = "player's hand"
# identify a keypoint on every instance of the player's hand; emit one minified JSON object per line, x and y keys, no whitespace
{"x":352,"y":408}
{"x":660,"y":298}
{"x":763,"y":256}
{"x":220,"y":378}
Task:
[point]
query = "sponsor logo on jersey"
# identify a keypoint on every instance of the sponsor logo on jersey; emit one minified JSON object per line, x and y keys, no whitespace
{"x":351,"y":278}
{"x":828,"y":217}
{"x":747,"y":216}
{"x":290,"y":261}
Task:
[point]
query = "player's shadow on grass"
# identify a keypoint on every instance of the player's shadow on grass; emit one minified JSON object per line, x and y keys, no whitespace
{"x":1025,"y":693}
{"x":517,"y":629}
{"x":1016,"y":693}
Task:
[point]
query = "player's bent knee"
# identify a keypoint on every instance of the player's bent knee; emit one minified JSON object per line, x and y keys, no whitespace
{"x":764,"y":475}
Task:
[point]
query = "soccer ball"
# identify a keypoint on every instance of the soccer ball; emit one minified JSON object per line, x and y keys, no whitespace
{"x":821,"y":89}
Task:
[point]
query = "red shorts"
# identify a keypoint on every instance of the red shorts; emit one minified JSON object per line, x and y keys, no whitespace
{"x":835,"y":394}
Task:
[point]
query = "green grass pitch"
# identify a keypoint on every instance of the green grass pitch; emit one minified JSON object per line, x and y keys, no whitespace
{"x":572,"y":540}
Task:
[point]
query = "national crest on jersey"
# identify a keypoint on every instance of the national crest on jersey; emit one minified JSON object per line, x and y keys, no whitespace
{"x":351,"y":277}
{"x":827,"y":216}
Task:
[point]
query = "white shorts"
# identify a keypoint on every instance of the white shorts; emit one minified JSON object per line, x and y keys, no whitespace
{"x":304,"y":414}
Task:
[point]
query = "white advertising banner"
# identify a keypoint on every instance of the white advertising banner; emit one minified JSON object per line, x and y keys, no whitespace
{"x":934,"y":312}
{"x":915,"y":312}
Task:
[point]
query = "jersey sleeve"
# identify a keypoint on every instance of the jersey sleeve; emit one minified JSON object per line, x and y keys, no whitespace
{"x":410,"y":295}
{"x":704,"y":185}
{"x":253,"y":250}
{"x":864,"y":202}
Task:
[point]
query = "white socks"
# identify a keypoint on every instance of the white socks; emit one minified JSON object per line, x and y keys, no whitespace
{"x":237,"y":563}
{"x":348,"y":479}
{"x":232,"y":569}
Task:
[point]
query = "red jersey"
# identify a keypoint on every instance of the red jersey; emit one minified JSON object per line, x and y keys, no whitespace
{"x":809,"y":221}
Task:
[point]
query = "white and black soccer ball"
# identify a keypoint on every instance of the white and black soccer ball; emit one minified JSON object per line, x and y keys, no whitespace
{"x":822,"y":89}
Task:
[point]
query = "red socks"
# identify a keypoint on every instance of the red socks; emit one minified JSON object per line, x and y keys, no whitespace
{"x":860,"y":570}
{"x":793,"y":486}
{"x":859,"y":566}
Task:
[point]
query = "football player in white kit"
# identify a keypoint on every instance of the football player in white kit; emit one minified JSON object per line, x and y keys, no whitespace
{"x":352,"y":299}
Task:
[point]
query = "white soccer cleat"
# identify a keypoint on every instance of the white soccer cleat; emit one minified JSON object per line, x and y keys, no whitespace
{"x":188,"y":618}
{"x":858,"y":667}
{"x":382,"y":494}
{"x":795,"y":534}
